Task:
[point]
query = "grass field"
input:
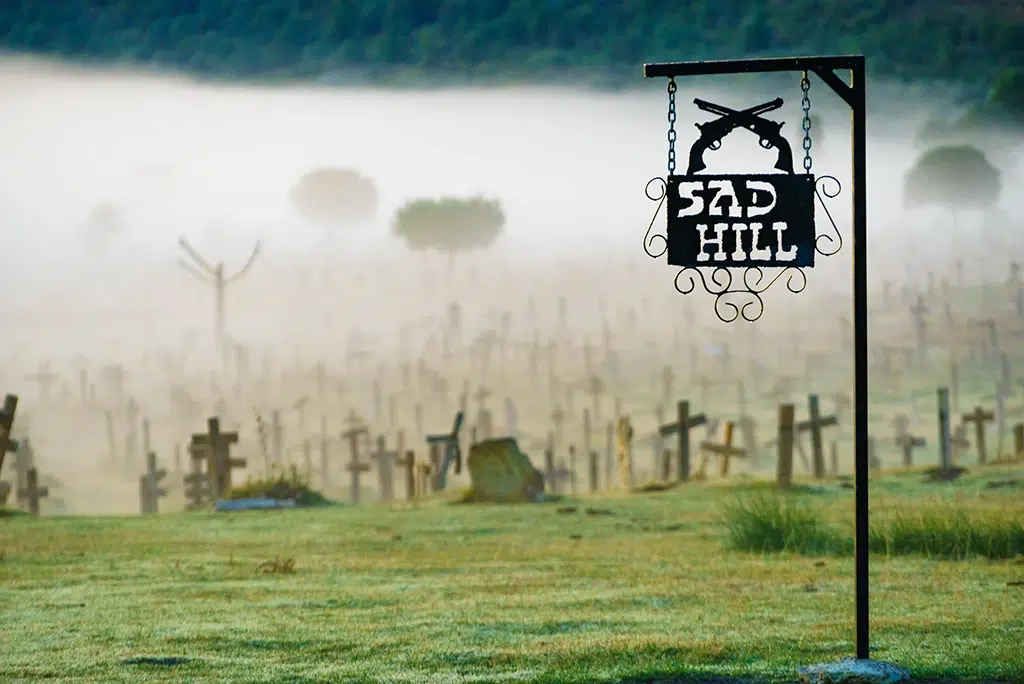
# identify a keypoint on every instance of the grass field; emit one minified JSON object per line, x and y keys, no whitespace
{"x":633,"y":587}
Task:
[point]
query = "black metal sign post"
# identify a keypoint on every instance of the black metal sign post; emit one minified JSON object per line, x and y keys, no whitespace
{"x":757,"y":222}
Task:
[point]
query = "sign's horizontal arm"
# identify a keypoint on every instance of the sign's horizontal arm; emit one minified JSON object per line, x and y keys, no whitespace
{"x":752,"y":66}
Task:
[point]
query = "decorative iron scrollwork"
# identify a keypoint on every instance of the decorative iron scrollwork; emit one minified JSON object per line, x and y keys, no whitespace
{"x":743,"y":299}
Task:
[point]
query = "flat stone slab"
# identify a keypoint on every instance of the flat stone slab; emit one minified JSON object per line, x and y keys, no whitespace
{"x":853,"y":671}
{"x":261,"y":504}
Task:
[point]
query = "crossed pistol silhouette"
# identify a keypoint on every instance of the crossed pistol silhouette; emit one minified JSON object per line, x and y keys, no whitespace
{"x":768,"y":132}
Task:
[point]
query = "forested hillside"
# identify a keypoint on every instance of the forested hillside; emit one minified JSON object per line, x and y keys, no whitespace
{"x":605,"y":41}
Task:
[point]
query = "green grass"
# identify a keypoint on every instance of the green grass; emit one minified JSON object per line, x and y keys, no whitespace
{"x":633,"y":587}
{"x":288,"y":484}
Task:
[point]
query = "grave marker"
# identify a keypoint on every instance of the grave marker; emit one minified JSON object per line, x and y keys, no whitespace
{"x":784,"y":441}
{"x":355,"y":467}
{"x":725,"y":450}
{"x":215,"y":447}
{"x":447,"y":450}
{"x":979,"y":417}
{"x":7,"y":445}
{"x":32,"y":492}
{"x":385,"y":464}
{"x":624,"y":440}
{"x":814,"y":424}
{"x":408,"y":462}
{"x":681,"y":428}
{"x":197,"y":482}
{"x":150,"y":490}
{"x":24,"y":460}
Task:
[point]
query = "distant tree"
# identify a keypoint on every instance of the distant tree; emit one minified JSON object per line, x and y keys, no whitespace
{"x":104,"y":223}
{"x":449,"y":225}
{"x":1006,"y":99}
{"x":954,"y":177}
{"x":337,"y":197}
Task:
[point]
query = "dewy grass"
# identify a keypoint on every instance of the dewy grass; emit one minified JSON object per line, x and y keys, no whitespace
{"x":947,"y":532}
{"x":776,"y":523}
{"x":769,"y":522}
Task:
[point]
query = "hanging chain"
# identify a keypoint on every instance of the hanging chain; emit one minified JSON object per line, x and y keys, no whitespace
{"x":805,"y":104}
{"x":671,"y":126}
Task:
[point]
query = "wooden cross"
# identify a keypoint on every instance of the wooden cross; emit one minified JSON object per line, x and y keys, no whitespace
{"x":918,"y":311}
{"x":409,"y":463}
{"x":1018,"y":441}
{"x":7,"y":444}
{"x":385,"y":464}
{"x":958,"y":442}
{"x":45,"y":379}
{"x":32,"y":492}
{"x":725,"y":450}
{"x":681,"y":428}
{"x":150,"y":490}
{"x":215,"y":447}
{"x":24,"y":460}
{"x":196,"y":482}
{"x":908,"y":443}
{"x":814,"y":424}
{"x":979,"y":417}
{"x":355,"y":467}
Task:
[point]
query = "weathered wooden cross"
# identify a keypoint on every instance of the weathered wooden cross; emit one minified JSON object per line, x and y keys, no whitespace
{"x":814,"y":424}
{"x":681,"y":428}
{"x":725,"y":450}
{"x":906,"y":441}
{"x":197,"y":482}
{"x":215,"y":447}
{"x":785,"y":441}
{"x":445,"y":450}
{"x":24,"y":460}
{"x":45,"y":380}
{"x":979,"y":417}
{"x":356,"y":429}
{"x":150,"y":490}
{"x":32,"y":492}
{"x":7,"y":444}
{"x":408,"y":462}
{"x":385,"y":468}
{"x":624,"y":440}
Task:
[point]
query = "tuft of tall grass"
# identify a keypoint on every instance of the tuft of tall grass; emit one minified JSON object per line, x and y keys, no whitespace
{"x":774,"y":523}
{"x":288,"y":484}
{"x":943,"y":530}
{"x":769,"y":522}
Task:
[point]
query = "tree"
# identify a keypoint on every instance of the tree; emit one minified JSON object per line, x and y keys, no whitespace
{"x":1006,"y":99}
{"x":954,"y":177}
{"x":104,"y":223}
{"x":449,"y":225}
{"x":338,"y":197}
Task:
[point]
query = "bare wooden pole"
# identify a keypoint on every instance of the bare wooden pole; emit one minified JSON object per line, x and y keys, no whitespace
{"x":204,"y":272}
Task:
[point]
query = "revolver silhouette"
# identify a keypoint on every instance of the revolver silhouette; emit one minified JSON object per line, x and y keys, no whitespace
{"x":712,"y":132}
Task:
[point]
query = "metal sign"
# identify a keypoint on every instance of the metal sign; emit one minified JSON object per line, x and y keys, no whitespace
{"x":710,"y":230}
{"x":734,"y":221}
{"x":717,"y":224}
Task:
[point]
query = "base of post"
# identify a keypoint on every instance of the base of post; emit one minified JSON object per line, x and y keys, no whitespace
{"x":853,"y":671}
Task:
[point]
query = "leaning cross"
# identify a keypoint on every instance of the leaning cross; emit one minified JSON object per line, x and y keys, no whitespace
{"x":7,"y":444}
{"x":32,"y":491}
{"x":681,"y":428}
{"x":979,"y":417}
{"x":444,"y":451}
{"x":814,"y":424}
{"x":355,"y":467}
{"x":45,"y":379}
{"x":725,"y":450}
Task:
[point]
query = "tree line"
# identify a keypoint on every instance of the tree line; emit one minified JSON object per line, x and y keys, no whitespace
{"x":412,"y":41}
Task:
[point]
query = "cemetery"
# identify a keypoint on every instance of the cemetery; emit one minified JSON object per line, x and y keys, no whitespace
{"x":490,"y":471}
